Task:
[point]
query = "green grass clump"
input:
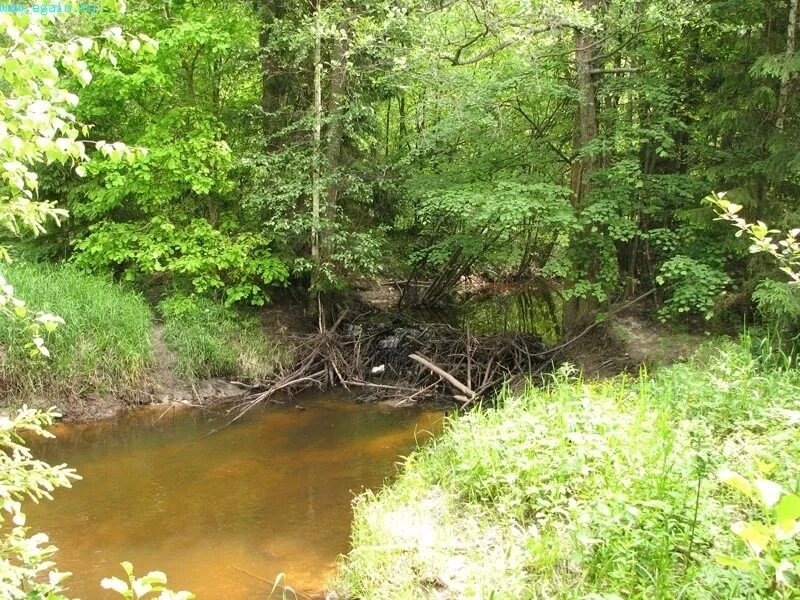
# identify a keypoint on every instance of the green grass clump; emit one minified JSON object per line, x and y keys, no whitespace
{"x":585,"y":490}
{"x":104,"y":347}
{"x":212,"y":340}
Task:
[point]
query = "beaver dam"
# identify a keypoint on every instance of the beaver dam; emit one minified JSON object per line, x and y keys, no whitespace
{"x":405,"y":361}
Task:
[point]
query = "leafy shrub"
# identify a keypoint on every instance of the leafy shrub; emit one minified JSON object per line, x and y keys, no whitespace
{"x":694,"y":287}
{"x":786,"y":251}
{"x":599,"y":490}
{"x":778,"y":303}
{"x":138,"y":588}
{"x":25,"y":567}
{"x":771,"y":536}
{"x":194,"y":255}
{"x":481,"y":224}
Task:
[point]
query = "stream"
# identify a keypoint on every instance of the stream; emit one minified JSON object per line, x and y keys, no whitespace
{"x":222,"y":515}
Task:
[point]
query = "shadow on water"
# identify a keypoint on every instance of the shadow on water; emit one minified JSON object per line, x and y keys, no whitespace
{"x":495,"y":308}
{"x":270,"y":495}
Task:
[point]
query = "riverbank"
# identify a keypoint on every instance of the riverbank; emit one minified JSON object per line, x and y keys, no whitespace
{"x":605,"y":489}
{"x":117,"y":350}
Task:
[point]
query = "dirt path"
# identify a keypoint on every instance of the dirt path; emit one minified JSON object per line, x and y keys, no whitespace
{"x":628,"y":342}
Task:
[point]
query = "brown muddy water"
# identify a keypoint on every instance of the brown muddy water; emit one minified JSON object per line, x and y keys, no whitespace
{"x":222,"y":514}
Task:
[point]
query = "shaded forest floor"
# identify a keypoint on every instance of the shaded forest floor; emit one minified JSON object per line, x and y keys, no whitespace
{"x":630,"y":341}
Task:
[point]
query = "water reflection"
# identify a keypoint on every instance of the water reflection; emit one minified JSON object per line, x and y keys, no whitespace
{"x":528,"y":309}
{"x":269,"y":495}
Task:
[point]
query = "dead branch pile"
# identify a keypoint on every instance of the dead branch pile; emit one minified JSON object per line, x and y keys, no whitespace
{"x":408,"y":363}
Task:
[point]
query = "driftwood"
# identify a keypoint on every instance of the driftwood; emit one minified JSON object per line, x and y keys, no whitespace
{"x":408,"y":362}
{"x":442,"y":373}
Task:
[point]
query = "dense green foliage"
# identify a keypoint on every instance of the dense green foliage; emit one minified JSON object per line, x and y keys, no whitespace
{"x":36,"y":126}
{"x":281,"y":143}
{"x":573,"y":140}
{"x":614,"y":489}
{"x":105,"y":346}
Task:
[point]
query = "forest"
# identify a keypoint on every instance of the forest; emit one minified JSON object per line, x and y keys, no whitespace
{"x":197,"y":194}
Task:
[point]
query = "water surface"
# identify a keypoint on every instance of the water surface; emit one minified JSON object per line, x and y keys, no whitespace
{"x":221,"y":515}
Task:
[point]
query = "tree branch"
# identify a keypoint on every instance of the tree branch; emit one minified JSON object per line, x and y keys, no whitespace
{"x":456,"y":61}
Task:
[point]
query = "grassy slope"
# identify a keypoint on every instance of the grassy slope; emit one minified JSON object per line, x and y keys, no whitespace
{"x":211,"y":340}
{"x":104,"y":347}
{"x":583,"y":490}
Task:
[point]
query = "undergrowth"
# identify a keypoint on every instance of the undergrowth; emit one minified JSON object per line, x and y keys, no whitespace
{"x":601,"y":490}
{"x":105,"y":345}
{"x":213,"y":340}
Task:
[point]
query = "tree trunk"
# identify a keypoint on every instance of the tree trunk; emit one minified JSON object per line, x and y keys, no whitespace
{"x":272,"y":81}
{"x":787,"y":80}
{"x":388,"y":127}
{"x":315,"y":296}
{"x":579,"y":312}
{"x":585,"y":42}
{"x":336,"y":114}
{"x":402,"y":130}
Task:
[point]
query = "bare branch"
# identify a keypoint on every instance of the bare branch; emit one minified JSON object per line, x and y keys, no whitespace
{"x":616,"y":70}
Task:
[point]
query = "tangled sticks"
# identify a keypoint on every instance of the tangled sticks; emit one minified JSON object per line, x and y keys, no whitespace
{"x":407,"y":363}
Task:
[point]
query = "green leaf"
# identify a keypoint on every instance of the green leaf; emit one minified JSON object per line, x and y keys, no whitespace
{"x":788,"y":507}
{"x":155,"y":577}
{"x":127,"y":567}
{"x":115,"y":584}
{"x":769,"y":492}
{"x":755,"y":535}
{"x":736,"y":563}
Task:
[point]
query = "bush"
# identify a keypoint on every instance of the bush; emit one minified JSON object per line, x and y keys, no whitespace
{"x":694,"y":285}
{"x":192,"y":254}
{"x":105,"y":345}
{"x":212,"y":340}
{"x":778,"y":305}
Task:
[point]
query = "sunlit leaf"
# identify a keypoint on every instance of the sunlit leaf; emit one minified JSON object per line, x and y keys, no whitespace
{"x":736,"y":481}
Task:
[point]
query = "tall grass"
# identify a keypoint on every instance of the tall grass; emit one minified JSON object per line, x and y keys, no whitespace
{"x":104,"y":347}
{"x":212,"y":340}
{"x":582,"y":490}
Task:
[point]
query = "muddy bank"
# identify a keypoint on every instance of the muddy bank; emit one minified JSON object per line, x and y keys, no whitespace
{"x":198,"y":394}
